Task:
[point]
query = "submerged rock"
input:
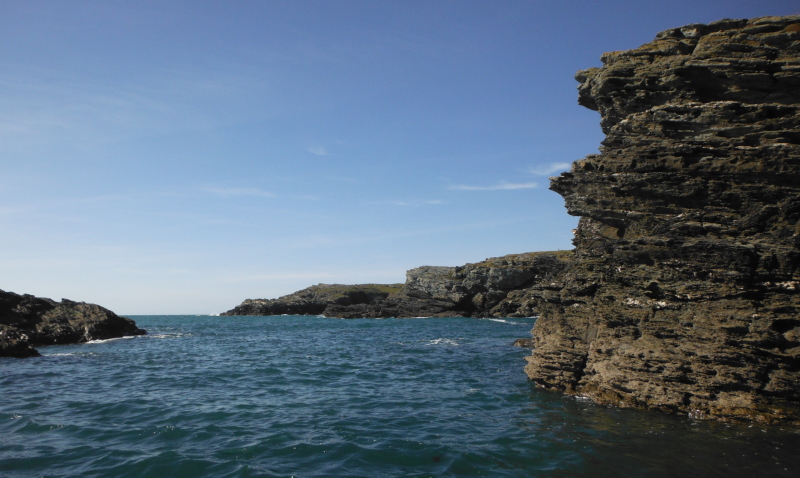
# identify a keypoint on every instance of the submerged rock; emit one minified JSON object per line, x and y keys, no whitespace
{"x":684,"y":292}
{"x":27,"y":321}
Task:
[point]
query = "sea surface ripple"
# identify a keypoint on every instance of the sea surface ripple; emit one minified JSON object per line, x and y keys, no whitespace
{"x":317,"y":397}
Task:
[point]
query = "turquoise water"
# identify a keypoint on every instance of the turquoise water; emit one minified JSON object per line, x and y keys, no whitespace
{"x":317,"y":397}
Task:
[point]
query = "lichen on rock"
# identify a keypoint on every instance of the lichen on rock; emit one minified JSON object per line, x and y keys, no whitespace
{"x":683,"y":293}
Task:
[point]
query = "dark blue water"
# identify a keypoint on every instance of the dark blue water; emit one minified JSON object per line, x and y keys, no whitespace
{"x":316,"y":397}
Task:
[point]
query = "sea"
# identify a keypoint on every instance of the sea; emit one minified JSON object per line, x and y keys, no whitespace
{"x":304,"y":396}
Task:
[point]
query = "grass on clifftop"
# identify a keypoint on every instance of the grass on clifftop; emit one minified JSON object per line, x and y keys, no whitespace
{"x":512,"y":260}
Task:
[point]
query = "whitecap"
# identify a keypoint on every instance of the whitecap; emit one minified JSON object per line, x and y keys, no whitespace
{"x":503,"y":321}
{"x":100,"y":341}
{"x":167,"y":336}
{"x":442,"y":342}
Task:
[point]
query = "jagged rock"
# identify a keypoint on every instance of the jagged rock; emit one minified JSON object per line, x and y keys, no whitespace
{"x":14,"y":343}
{"x":528,"y":343}
{"x":684,"y":291}
{"x":27,"y":321}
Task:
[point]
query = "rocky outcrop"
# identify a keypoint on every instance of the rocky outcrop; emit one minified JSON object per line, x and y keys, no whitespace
{"x":27,"y":322}
{"x":492,"y":288}
{"x":684,"y":291}
{"x":315,"y":300}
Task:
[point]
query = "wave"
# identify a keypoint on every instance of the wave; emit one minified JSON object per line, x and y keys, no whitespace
{"x":176,"y":335}
{"x":503,"y":321}
{"x":102,"y":341}
{"x":443,"y":342}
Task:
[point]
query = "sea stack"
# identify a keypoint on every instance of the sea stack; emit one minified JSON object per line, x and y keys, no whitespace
{"x":27,"y":322}
{"x":684,"y":292}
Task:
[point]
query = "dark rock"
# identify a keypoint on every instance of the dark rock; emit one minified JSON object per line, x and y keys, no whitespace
{"x":14,"y":343}
{"x":315,"y":300}
{"x":684,"y":292}
{"x":27,"y":321}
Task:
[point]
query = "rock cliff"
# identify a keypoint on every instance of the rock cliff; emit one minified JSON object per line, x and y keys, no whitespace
{"x":491,"y":288}
{"x":27,"y":321}
{"x":684,"y":291}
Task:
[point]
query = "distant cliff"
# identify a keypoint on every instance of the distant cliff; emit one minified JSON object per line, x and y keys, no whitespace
{"x":684,"y":295}
{"x":27,"y":322}
{"x":498,"y":287}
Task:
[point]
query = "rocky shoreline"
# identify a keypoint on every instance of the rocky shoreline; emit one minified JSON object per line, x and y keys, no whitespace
{"x":683,"y":291}
{"x":27,"y":322}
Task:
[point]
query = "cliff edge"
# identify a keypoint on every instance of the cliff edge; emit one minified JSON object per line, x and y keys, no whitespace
{"x":684,"y":292}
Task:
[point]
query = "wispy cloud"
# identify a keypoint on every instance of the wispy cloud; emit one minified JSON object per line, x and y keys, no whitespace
{"x":317,"y":150}
{"x":228,"y":192}
{"x":416,"y":203}
{"x":549,"y":169}
{"x":496,"y":187}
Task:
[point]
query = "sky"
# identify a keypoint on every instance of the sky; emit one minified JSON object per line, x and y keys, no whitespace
{"x":178,"y":157}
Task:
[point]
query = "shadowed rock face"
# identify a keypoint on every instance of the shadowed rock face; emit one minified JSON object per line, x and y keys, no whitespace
{"x":316,"y":300}
{"x":683,"y":295}
{"x":27,"y":321}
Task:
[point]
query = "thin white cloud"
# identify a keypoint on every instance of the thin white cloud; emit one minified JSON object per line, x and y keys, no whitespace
{"x":238,"y":192}
{"x":318,"y":150}
{"x":416,"y":203}
{"x":549,"y":169}
{"x":496,"y":187}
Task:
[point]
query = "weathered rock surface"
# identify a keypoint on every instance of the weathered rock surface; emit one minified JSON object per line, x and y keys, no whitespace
{"x":492,"y":288}
{"x":27,"y":321}
{"x":684,"y":291}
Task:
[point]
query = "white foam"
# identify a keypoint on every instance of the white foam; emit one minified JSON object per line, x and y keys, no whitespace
{"x":442,"y":342}
{"x":100,"y":341}
{"x":167,"y":336}
{"x":504,"y":321}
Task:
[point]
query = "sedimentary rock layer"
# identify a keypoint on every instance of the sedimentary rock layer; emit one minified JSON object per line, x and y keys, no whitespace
{"x":27,"y":321}
{"x":684,"y":291}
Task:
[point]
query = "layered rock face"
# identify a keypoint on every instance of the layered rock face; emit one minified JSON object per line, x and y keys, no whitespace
{"x":27,"y":321}
{"x":684,"y":292}
{"x":491,"y":288}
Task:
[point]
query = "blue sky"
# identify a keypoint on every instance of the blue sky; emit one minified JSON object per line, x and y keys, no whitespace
{"x":182,"y":156}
